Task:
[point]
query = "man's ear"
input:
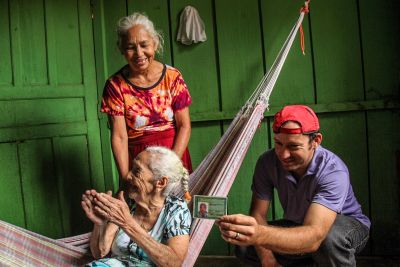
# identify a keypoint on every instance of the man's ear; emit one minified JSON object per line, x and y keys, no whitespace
{"x":161,"y":183}
{"x":317,"y":140}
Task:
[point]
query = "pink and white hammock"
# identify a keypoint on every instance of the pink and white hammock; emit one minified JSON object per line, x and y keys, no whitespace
{"x":214,"y":176}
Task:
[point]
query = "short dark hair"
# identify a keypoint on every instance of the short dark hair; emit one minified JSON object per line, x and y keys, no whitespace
{"x":312,"y":136}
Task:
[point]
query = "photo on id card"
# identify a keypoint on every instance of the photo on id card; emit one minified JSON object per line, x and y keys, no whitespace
{"x":208,"y":207}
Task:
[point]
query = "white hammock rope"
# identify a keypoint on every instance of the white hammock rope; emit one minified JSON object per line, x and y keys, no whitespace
{"x":216,"y":173}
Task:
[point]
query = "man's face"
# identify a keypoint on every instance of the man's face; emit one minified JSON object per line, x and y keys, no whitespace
{"x":203,"y":208}
{"x":295,"y":151}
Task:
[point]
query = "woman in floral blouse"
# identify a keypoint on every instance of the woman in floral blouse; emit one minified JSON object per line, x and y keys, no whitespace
{"x":146,"y":100}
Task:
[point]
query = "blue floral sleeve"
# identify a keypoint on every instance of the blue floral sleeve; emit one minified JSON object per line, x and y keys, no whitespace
{"x":179,"y":219}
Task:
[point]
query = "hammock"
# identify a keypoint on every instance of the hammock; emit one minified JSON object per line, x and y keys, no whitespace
{"x":214,"y":176}
{"x":21,"y":247}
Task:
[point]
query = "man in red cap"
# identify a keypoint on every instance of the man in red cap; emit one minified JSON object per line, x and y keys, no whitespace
{"x":323,"y":222}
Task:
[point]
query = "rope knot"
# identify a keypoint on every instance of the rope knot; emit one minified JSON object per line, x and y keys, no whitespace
{"x":304,"y":8}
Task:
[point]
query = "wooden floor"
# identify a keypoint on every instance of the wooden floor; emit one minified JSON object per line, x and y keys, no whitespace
{"x":228,"y":261}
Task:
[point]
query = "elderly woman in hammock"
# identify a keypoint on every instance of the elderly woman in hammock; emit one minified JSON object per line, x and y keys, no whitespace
{"x":152,"y":226}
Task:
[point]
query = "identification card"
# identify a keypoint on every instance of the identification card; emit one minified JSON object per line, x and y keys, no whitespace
{"x":207,"y":207}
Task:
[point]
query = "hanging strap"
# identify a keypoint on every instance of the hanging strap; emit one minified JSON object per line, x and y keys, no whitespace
{"x":304,"y":9}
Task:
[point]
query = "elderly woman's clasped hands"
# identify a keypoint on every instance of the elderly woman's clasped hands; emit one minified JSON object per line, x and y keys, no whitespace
{"x":146,"y":224}
{"x":101,"y":208}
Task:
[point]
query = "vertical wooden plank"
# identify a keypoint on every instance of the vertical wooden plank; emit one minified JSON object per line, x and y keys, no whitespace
{"x":380,"y":29}
{"x":73,"y":173}
{"x":39,"y":187}
{"x":51,"y":20}
{"x":11,"y":202}
{"x":204,"y":136}
{"x":197,"y":61}
{"x":31,"y":31}
{"x":295,"y":83}
{"x":91,"y":101}
{"x":345,"y":135}
{"x":108,"y":61}
{"x":16,"y":54}
{"x":108,"y":57}
{"x":157,"y":11}
{"x":240,"y":50}
{"x":5,"y":41}
{"x":7,"y":108}
{"x":384,"y":154}
{"x":64,"y":42}
{"x":336,"y":43}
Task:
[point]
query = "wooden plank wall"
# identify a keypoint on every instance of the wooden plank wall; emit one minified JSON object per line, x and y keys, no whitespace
{"x":49,"y":134}
{"x":349,"y":75}
{"x":54,"y":143}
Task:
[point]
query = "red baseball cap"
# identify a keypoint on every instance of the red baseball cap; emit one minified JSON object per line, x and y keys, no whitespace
{"x":303,"y":115}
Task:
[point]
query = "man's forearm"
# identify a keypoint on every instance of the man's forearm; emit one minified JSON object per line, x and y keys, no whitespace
{"x":301,"y":239}
{"x":266,"y":256}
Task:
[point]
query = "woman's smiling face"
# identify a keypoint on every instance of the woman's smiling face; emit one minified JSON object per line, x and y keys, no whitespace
{"x":139,"y":48}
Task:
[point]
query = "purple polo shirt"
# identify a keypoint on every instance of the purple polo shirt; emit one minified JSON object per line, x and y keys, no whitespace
{"x":326,"y":182}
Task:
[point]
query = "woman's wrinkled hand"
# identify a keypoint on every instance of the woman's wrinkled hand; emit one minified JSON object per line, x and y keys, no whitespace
{"x":87,"y":204}
{"x":115,"y":210}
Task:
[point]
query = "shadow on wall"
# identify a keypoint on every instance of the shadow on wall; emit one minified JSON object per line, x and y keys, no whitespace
{"x":74,"y":177}
{"x":54,"y":174}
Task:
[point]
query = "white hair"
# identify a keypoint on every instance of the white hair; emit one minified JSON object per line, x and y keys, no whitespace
{"x":166,"y":163}
{"x":125,"y":23}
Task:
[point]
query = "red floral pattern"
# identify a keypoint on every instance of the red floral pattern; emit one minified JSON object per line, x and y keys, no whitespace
{"x":146,"y":109}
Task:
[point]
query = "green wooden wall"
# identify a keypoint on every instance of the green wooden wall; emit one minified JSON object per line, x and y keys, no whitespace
{"x":49,"y":133}
{"x":349,"y":75}
{"x":56,"y":55}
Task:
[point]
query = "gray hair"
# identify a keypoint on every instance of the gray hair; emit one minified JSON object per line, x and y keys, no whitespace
{"x":125,"y":23}
{"x":166,"y":163}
